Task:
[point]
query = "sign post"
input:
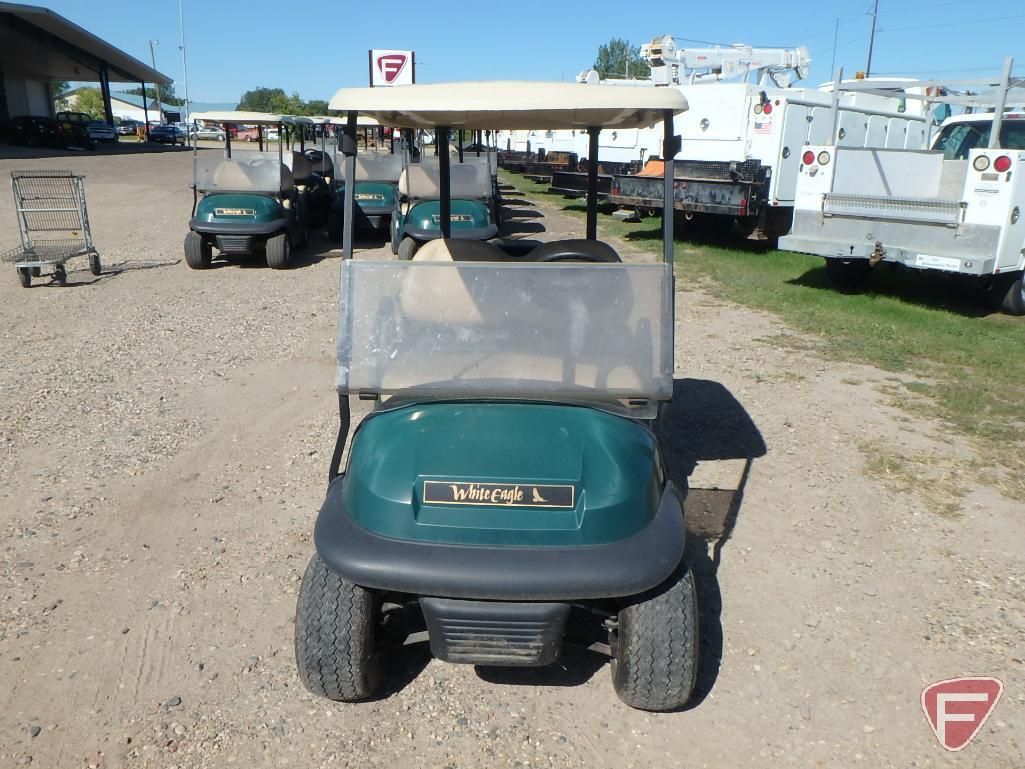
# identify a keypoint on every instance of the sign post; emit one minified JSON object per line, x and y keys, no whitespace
{"x":390,"y":67}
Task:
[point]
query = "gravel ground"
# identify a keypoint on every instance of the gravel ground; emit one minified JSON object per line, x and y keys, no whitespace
{"x":164,"y":440}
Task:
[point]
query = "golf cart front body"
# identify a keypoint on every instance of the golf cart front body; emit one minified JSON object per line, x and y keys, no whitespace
{"x":236,"y":221}
{"x":471,"y":220}
{"x":375,"y":203}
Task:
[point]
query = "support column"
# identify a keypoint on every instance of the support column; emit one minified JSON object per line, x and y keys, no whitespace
{"x":348,"y":205}
{"x":105,"y":92}
{"x":592,"y":183}
{"x":670,"y":148}
{"x":445,"y":180}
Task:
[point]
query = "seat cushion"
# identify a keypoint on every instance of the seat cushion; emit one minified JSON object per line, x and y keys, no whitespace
{"x":451,"y":250}
{"x":574,"y":250}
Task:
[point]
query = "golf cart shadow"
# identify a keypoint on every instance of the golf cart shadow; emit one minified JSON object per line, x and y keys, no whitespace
{"x":712,"y":443}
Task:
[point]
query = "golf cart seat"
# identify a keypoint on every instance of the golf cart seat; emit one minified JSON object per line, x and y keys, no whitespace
{"x":574,"y":250}
{"x":231,"y":176}
{"x":423,"y":181}
{"x":453,"y":250}
{"x":301,"y":168}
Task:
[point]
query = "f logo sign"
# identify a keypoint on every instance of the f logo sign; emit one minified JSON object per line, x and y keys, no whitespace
{"x":391,"y":65}
{"x":958,"y":707}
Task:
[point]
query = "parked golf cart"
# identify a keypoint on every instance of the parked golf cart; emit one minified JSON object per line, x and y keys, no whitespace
{"x":417,"y":217}
{"x":251,"y":200}
{"x":511,"y":472}
{"x":315,"y":187}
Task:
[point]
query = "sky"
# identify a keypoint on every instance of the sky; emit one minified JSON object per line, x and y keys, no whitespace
{"x":315,"y":47}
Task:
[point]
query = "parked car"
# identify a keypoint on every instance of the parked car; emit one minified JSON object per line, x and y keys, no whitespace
{"x":35,"y":131}
{"x":167,"y":134}
{"x":247,"y":134}
{"x":129,"y":127}
{"x":210,"y":132}
{"x":101,"y":132}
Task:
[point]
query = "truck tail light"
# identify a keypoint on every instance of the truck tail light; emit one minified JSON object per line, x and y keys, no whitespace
{"x":1001,"y":164}
{"x":767,"y":109}
{"x":808,"y":158}
{"x":823,"y":158}
{"x":981,"y":163}
{"x":743,"y":206}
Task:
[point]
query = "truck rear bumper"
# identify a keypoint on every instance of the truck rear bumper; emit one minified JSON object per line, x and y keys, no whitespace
{"x":624,"y":568}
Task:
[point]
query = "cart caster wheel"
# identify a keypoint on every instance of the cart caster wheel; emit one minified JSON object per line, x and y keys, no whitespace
{"x":94,"y":264}
{"x":279,"y":251}
{"x":655,"y":646}
{"x":407,"y":249}
{"x":37,"y":272}
{"x":60,"y":275}
{"x":25,"y":276}
{"x":198,"y":252}
{"x":336,"y":626}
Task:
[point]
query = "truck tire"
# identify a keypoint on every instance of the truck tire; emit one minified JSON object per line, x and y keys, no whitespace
{"x":334,"y":226}
{"x":198,"y":251}
{"x":848,"y":274}
{"x":279,"y":251}
{"x":655,"y":645}
{"x":336,"y":635}
{"x":407,"y":249}
{"x":1009,"y":293}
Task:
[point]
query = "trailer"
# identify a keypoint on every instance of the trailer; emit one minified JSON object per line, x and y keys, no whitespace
{"x":955,"y":208}
{"x":744,"y":140}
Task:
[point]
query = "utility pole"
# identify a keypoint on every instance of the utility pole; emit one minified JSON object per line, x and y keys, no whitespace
{"x":872,"y":39}
{"x":836,"y":37}
{"x":153,"y":58}
{"x":185,"y":68}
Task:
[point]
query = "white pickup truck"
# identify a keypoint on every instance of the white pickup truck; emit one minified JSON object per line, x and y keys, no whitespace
{"x":955,"y":208}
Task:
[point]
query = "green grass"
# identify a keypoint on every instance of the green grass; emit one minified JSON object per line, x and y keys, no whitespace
{"x":970,"y":362}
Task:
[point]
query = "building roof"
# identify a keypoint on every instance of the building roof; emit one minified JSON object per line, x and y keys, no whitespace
{"x":51,"y":47}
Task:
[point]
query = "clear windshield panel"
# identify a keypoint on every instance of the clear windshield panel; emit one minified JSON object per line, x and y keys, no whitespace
{"x":244,"y":172}
{"x":468,"y":180}
{"x":374,"y":167}
{"x":574,"y":332}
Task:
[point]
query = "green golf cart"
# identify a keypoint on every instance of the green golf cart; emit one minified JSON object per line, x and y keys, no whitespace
{"x":247,"y":201}
{"x":510,"y":473}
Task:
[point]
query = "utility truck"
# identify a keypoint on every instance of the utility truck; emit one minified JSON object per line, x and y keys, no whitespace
{"x":744,"y":140}
{"x":955,"y":208}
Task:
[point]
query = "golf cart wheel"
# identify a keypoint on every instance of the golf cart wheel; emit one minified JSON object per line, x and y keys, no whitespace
{"x":94,"y":264}
{"x":334,"y":226}
{"x":395,"y":237}
{"x":407,"y":249}
{"x":655,"y":646}
{"x":25,"y":276}
{"x":848,"y":274}
{"x":335,"y":635}
{"x":279,"y":251}
{"x":1009,"y":293}
{"x":198,"y":251}
{"x":60,"y":275}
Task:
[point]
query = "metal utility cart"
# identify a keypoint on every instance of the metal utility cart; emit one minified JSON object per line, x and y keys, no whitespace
{"x":53,"y":223}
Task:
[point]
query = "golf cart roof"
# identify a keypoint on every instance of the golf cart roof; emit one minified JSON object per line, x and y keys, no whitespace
{"x":363,"y":121}
{"x":512,"y":105}
{"x":234,"y":116}
{"x":299,"y":120}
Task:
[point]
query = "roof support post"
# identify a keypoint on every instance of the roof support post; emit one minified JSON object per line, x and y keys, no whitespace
{"x":108,"y":112}
{"x":348,"y":145}
{"x":445,"y":180}
{"x":461,"y":139}
{"x":259,"y":135}
{"x":145,"y":111}
{"x":592,"y":182}
{"x":670,"y":148}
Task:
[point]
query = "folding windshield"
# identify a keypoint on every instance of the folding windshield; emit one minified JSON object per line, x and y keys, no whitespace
{"x":575,"y":332}
{"x":956,"y":140}
{"x":372,"y":167}
{"x":244,"y":172}
{"x":423,"y":180}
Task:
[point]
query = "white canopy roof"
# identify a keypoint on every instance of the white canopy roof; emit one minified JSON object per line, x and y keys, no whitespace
{"x":233,"y":116}
{"x":511,"y":105}
{"x":362,"y":122}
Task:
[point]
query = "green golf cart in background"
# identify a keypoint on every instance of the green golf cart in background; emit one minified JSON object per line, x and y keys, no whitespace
{"x":246,"y":202}
{"x":510,"y":475}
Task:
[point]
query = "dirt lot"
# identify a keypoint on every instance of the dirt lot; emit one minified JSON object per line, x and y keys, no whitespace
{"x":164,"y":440}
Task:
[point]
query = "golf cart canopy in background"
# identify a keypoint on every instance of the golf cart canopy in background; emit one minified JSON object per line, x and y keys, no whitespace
{"x":600,"y":334}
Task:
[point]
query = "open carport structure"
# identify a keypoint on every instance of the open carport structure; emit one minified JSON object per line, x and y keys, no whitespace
{"x":38,"y":46}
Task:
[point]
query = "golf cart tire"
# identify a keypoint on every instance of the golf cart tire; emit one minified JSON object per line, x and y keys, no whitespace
{"x":335,"y":636}
{"x":279,"y":251}
{"x":60,"y":275}
{"x":655,"y":648}
{"x":395,"y":237}
{"x":1009,"y":293}
{"x":334,"y":226}
{"x":95,"y":267}
{"x":407,"y":249}
{"x":848,"y":275}
{"x":198,"y":251}
{"x":25,"y":277}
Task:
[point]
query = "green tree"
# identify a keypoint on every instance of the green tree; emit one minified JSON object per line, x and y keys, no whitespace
{"x":316,"y":107}
{"x":275,"y":100}
{"x":57,"y":89}
{"x":167,"y":94}
{"x":617,"y":58}
{"x":89,"y":101}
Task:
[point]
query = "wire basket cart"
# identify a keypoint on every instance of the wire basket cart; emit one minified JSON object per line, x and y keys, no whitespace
{"x":54,"y":225}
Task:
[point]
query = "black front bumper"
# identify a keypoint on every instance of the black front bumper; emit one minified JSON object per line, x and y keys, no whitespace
{"x":238,"y":228}
{"x":624,"y":568}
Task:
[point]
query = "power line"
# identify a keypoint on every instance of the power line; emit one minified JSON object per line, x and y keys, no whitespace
{"x":959,"y":23}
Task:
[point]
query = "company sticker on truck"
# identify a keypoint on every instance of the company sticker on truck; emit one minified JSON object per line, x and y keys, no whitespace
{"x":938,"y":262}
{"x":499,"y":494}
